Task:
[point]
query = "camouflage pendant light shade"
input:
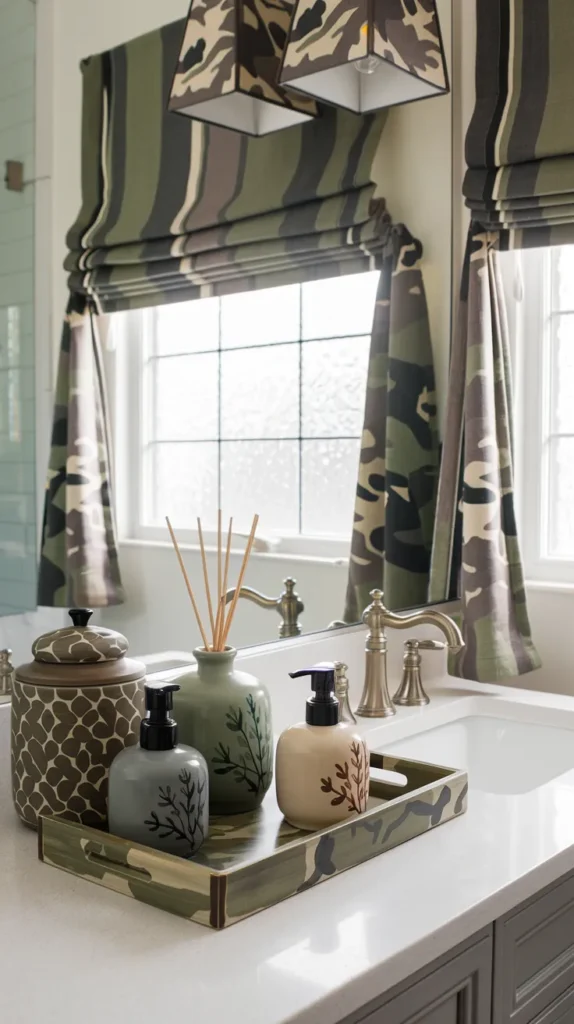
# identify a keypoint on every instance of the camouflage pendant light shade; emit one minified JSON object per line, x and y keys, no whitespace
{"x":228,"y":69}
{"x":365,"y":54}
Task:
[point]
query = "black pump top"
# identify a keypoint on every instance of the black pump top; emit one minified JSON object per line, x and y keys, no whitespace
{"x":323,"y":707}
{"x":158,"y":730}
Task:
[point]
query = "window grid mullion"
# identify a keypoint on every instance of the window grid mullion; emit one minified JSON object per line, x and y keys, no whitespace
{"x":219,"y":402}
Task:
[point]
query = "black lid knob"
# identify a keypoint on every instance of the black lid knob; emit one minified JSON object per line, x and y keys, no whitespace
{"x":323,"y":707}
{"x":80,"y":616}
{"x":158,"y":730}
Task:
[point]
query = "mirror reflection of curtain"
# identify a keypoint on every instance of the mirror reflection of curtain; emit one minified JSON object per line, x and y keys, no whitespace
{"x":520,"y":189}
{"x":398,"y":468}
{"x":175,"y":210}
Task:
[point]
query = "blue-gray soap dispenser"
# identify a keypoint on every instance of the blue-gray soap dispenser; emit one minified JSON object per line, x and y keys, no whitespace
{"x":159,"y":791}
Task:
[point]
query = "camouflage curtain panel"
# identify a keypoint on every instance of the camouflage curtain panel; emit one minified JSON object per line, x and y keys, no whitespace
{"x":398,"y":469}
{"x":520,"y":143}
{"x":174,"y":209}
{"x":475,"y":537}
{"x":79,"y":561}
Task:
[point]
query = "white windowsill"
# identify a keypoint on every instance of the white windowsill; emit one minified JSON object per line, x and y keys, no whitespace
{"x":550,"y":586}
{"x":273,"y":556}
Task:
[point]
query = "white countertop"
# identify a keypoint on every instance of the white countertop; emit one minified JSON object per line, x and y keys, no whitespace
{"x":71,"y":951}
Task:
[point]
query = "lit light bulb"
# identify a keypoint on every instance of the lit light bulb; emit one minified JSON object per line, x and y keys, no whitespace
{"x":368,"y":65}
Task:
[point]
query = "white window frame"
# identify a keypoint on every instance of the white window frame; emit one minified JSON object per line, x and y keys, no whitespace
{"x":124,"y":368}
{"x":532,"y":357}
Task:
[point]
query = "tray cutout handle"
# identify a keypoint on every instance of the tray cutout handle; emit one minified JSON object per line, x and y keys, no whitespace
{"x":389,"y":777}
{"x":132,"y":874}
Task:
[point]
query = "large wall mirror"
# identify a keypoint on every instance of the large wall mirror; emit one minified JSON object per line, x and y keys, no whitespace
{"x":255,"y":402}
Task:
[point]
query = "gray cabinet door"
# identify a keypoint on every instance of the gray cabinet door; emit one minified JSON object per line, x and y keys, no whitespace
{"x":457,"y":989}
{"x":534,"y":956}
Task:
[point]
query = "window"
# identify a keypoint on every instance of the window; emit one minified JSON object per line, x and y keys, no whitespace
{"x":545,"y":415}
{"x":253,"y":402}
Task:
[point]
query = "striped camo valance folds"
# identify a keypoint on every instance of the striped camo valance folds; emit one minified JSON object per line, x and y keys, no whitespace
{"x":520,"y":143}
{"x":175,"y":209}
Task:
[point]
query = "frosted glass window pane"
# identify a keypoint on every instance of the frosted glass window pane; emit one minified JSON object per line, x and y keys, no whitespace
{"x":260,"y":392}
{"x":334,"y":386}
{"x":186,"y":397}
{"x":262,"y":317}
{"x":183,"y":484}
{"x":561,"y":503}
{"x":565,"y":272}
{"x":339,"y":305}
{"x":329,"y":481}
{"x":187,"y":326}
{"x":563,"y":374}
{"x":263,"y":477}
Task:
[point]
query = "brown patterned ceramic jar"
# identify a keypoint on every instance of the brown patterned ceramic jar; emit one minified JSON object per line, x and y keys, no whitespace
{"x":76,"y":706}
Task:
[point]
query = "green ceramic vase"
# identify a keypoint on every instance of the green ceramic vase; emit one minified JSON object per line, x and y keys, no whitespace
{"x":226,"y":715}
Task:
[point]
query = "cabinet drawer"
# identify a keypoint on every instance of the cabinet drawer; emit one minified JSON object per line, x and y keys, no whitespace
{"x":534,"y":955}
{"x":456,"y":989}
{"x":561,"y":1012}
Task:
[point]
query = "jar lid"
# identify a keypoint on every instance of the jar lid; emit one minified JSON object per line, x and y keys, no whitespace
{"x":80,"y":644}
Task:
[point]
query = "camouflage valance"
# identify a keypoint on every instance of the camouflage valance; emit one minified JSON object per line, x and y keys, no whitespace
{"x":174,"y":209}
{"x":520,"y":142}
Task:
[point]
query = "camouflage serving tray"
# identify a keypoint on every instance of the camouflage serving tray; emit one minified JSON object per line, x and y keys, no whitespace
{"x":251,"y":861}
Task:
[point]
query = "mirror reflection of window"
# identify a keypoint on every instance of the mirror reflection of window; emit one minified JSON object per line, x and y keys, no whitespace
{"x":252,"y":400}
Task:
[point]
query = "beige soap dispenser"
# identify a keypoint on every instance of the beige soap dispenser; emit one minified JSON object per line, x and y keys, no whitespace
{"x":322,"y":766}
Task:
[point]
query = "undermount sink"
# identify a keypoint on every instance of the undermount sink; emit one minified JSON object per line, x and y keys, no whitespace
{"x":502,"y":755}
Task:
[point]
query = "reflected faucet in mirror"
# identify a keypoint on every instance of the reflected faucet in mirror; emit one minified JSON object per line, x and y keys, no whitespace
{"x":288,"y":604}
{"x":6,"y":673}
{"x":376,"y":701}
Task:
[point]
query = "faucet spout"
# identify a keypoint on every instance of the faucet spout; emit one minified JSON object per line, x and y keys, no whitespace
{"x":428,"y":617}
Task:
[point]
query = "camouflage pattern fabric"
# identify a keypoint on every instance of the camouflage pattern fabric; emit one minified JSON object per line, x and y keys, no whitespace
{"x":476,"y":490}
{"x":214,"y":211}
{"x":520,"y":142}
{"x":79,"y":560}
{"x":398,"y":469}
{"x":252,"y":861}
{"x":172,"y":210}
{"x":234,"y":45}
{"x":328,"y":33}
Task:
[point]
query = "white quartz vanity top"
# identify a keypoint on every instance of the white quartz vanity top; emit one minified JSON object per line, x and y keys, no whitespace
{"x":71,"y":951}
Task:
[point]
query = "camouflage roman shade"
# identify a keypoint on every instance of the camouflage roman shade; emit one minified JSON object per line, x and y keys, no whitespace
{"x":520,"y":143}
{"x":174,"y":209}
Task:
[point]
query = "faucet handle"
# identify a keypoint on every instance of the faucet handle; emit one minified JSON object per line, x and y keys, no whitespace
{"x":411,"y":693}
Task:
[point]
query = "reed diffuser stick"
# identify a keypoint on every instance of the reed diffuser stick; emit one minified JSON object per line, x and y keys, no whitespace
{"x":240,"y":580}
{"x":206,"y":578}
{"x":219,"y":571}
{"x":223,"y":593}
{"x":187,"y":583}
{"x":219,"y":566}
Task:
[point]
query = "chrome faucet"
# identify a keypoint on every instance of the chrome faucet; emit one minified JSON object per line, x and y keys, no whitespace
{"x":376,"y":701}
{"x":288,"y":604}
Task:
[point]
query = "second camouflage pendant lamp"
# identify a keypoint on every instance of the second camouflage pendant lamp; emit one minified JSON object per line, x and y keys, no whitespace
{"x":365,"y":54}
